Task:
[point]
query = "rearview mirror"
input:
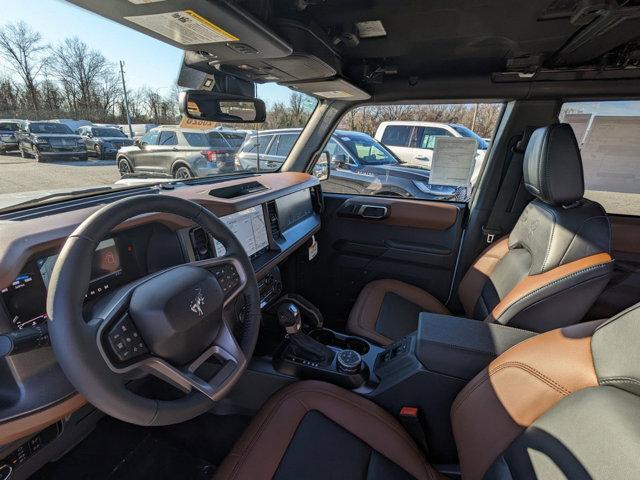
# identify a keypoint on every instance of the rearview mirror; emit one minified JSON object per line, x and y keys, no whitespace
{"x":321,"y":167}
{"x":221,"y":107}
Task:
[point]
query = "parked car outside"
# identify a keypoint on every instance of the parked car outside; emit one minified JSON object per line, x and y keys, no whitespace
{"x":49,"y":140}
{"x":413,"y":141}
{"x":358,"y":164}
{"x":139,"y":129}
{"x":71,"y":123}
{"x":9,"y":135}
{"x":103,"y":142}
{"x":177,"y":152}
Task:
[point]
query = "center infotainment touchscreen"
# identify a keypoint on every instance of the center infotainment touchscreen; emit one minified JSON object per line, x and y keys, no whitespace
{"x":248,"y":225}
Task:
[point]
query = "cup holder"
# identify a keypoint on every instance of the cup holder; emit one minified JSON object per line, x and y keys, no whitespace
{"x":327,"y":337}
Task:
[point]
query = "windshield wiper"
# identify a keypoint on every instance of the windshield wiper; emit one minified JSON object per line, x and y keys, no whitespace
{"x":71,"y":193}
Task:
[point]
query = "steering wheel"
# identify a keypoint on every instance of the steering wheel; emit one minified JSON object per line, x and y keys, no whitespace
{"x":168,"y":324}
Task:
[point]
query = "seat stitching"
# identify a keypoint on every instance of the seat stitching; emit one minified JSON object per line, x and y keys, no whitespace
{"x":619,"y":380}
{"x":535,"y":372}
{"x":527,"y":368}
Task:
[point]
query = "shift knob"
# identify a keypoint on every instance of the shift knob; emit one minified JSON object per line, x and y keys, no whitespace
{"x":289,"y":317}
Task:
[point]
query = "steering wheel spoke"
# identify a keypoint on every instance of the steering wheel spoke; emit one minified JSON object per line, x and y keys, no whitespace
{"x":225,"y":350}
{"x":230,"y":274}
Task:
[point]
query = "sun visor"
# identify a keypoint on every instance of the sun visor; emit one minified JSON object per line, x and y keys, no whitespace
{"x":336,"y":89}
{"x":223,"y":31}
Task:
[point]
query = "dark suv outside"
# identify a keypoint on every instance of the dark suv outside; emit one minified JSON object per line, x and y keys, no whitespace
{"x":359,"y":164}
{"x":8,"y":135}
{"x":103,"y":142}
{"x":171,"y":151}
{"x":48,"y":140}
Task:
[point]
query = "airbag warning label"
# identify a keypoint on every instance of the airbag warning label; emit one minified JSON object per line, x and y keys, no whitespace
{"x":185,"y":27}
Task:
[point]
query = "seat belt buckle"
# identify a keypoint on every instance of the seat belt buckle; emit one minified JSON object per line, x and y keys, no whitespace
{"x":490,"y":234}
{"x":411,"y":420}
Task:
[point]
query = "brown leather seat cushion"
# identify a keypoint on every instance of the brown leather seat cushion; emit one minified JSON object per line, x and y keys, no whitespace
{"x":365,"y":313}
{"x":260,"y":451}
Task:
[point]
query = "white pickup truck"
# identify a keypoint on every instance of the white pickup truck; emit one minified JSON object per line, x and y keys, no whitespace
{"x":413,"y":141}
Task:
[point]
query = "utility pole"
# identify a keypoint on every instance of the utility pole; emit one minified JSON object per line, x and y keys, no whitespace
{"x":475,"y":115}
{"x":126,"y":99}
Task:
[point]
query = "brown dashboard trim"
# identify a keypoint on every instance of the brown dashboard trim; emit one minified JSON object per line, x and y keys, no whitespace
{"x":20,"y":240}
{"x":21,"y":427}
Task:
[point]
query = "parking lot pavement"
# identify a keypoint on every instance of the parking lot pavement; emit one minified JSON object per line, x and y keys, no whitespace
{"x":20,"y":175}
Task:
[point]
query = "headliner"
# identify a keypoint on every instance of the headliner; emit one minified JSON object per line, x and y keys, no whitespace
{"x":461,"y":48}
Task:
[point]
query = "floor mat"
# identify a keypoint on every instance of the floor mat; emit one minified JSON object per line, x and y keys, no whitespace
{"x":120,"y":451}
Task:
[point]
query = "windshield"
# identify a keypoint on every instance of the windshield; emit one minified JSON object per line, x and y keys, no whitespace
{"x":9,"y":127}
{"x":57,"y":128}
{"x":111,"y":81}
{"x":365,"y":149}
{"x":107,"y":132}
{"x":465,"y":132}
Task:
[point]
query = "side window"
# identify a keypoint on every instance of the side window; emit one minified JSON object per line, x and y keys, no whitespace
{"x":150,"y":138}
{"x":608,"y":134}
{"x":397,"y":135}
{"x":262,"y":143}
{"x":216,"y":140}
{"x":426,"y":137}
{"x":285,"y":144}
{"x":196,"y":139}
{"x":168,"y":138}
{"x":379,"y":143}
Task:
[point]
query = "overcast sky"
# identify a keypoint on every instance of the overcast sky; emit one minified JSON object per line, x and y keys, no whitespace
{"x":147,"y":61}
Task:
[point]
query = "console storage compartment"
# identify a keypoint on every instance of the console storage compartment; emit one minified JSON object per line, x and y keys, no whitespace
{"x":460,"y":347}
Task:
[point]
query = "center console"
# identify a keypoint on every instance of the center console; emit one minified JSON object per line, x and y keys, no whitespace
{"x":425,"y":370}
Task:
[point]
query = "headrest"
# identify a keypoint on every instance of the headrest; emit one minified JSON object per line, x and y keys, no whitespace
{"x":553,"y":166}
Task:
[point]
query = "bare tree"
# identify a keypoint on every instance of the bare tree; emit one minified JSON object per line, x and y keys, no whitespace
{"x":86,"y":76}
{"x":23,"y":50}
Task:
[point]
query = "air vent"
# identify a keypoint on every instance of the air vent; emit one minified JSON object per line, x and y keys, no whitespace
{"x":272,"y":211}
{"x":201,"y":244}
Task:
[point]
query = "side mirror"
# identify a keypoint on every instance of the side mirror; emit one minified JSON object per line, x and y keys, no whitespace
{"x":340,"y":160}
{"x":137,"y":143}
{"x":321,"y":168}
{"x":221,"y":107}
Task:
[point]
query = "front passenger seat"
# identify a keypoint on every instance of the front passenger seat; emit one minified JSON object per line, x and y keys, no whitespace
{"x":546,"y":274}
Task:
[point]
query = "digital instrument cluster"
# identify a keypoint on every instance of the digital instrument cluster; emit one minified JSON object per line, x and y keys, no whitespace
{"x":25,"y":298}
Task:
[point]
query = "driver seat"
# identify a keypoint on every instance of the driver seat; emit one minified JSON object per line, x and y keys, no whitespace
{"x":563,"y":404}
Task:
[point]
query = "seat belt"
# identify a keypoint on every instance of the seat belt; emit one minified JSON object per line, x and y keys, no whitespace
{"x":512,"y":194}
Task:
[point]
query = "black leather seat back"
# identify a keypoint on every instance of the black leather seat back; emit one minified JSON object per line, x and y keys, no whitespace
{"x":554,"y":261}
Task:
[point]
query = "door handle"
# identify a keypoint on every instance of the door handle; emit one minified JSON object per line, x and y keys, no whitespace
{"x":421,"y":157}
{"x":373,"y":212}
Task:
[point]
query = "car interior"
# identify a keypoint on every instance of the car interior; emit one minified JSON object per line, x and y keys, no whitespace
{"x":258,"y":326}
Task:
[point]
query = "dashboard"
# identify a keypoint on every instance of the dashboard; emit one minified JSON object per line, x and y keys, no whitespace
{"x":124,"y":257}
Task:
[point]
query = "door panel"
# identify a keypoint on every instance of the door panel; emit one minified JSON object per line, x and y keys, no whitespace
{"x":623,"y":290}
{"x":368,"y":238}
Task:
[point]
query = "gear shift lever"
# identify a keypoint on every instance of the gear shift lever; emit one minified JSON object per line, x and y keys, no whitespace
{"x":301,"y":345}
{"x":289,"y":317}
